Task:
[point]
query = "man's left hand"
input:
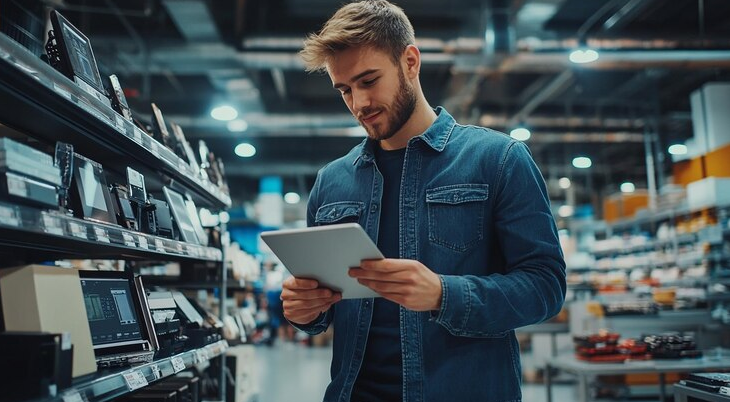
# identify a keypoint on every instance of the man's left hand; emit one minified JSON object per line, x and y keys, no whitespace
{"x":406,"y":282}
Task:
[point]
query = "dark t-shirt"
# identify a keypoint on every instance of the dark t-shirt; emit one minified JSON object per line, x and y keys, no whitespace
{"x":381,"y":373}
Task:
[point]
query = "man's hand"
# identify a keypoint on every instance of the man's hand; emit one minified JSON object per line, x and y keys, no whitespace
{"x":304,"y":301}
{"x":406,"y":282}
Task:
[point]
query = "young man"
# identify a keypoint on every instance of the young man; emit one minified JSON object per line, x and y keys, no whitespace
{"x":461,"y":214}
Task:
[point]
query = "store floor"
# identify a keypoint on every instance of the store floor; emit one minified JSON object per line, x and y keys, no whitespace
{"x":291,"y":372}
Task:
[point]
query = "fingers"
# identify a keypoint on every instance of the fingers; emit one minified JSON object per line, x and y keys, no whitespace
{"x":322,"y":293}
{"x":303,"y":305}
{"x":384,"y":265}
{"x":300,"y":283}
{"x":382,"y":287}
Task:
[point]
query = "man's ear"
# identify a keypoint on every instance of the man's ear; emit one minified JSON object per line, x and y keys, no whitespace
{"x":411,"y":61}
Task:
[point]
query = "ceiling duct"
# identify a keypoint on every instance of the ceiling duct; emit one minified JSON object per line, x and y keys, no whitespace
{"x":499,"y":34}
{"x":193,"y":19}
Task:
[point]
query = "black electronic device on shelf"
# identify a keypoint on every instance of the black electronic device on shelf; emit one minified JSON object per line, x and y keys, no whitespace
{"x":182,"y":218}
{"x":122,"y":330}
{"x":69,"y":51}
{"x":197,"y":328}
{"x":119,"y":101}
{"x":163,"y":219}
{"x":168,"y":326}
{"x":159,"y":129}
{"x":91,"y":199}
{"x":63,"y":160}
{"x":123,"y":208}
{"x":184,"y":150}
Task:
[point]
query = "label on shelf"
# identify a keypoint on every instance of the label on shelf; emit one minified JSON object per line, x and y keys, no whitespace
{"x":154,"y":150}
{"x":51,"y":224}
{"x":201,"y":355}
{"x":137,"y":135}
{"x":72,"y":396}
{"x":77,"y":230}
{"x":156,"y":371}
{"x":102,"y":235}
{"x":128,"y":240}
{"x":159,"y":245}
{"x":62,"y":91}
{"x":119,"y":123}
{"x":143,"y":242}
{"x":135,"y":380}
{"x":9,"y":216}
{"x":178,"y":364}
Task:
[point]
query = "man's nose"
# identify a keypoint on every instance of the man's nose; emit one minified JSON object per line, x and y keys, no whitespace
{"x":360,"y":101}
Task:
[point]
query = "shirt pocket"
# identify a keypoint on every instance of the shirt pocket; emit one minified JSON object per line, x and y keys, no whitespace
{"x":456,"y":215}
{"x":339,"y":212}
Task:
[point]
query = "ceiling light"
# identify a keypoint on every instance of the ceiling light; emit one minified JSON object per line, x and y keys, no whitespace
{"x":582,"y":162}
{"x":224,"y":113}
{"x":245,"y":150}
{"x":564,"y":183}
{"x":520,"y":134}
{"x":678,"y":149}
{"x":583,"y":56}
{"x":292,"y":198}
{"x":565,"y":211}
{"x":628,"y":187}
{"x":237,"y":126}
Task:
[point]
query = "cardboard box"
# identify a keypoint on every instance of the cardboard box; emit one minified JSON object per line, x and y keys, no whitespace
{"x":48,"y":299}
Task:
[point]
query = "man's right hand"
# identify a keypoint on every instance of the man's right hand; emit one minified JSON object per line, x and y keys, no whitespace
{"x":304,"y":300}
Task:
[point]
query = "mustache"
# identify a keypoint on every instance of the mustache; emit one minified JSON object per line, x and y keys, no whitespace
{"x":367,"y":113}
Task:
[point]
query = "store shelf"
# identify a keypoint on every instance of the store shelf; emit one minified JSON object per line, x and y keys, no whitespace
{"x":686,"y":238}
{"x":107,"y":385}
{"x":49,"y":106}
{"x":32,"y":235}
{"x":178,"y":283}
{"x":658,"y":216}
{"x":683,"y":393}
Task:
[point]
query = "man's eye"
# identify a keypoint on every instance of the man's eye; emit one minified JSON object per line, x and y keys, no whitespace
{"x":370,"y":82}
{"x":345,"y":91}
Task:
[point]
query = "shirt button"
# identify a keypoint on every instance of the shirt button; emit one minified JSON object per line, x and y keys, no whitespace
{"x":373,"y":207}
{"x":367,"y":302}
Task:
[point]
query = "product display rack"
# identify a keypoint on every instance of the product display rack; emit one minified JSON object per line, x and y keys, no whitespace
{"x":49,"y":106}
{"x":107,"y":385}
{"x":50,"y":235}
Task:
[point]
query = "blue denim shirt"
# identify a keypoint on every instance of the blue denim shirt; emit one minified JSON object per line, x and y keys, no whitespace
{"x":475,"y":210}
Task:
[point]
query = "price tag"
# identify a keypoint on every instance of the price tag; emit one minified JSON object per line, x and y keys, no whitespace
{"x":159,"y":245}
{"x":77,"y":230}
{"x":156,"y":371}
{"x":119,"y":122}
{"x":128,"y":240}
{"x":102,"y":235}
{"x":72,"y":396}
{"x":135,"y":380}
{"x":137,"y":136}
{"x":154,"y":150}
{"x":61,"y":91}
{"x":178,"y":364}
{"x":201,"y":355}
{"x":143,"y":242}
{"x":9,"y":216}
{"x":52,"y":224}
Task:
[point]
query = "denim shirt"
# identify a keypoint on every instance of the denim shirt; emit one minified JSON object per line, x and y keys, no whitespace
{"x":474,"y":209}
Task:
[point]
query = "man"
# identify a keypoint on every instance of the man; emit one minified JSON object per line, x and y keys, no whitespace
{"x":461,"y":214}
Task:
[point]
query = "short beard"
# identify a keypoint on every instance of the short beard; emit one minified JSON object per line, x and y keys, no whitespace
{"x":402,"y":109}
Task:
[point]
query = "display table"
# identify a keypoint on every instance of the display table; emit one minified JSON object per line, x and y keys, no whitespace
{"x":584,"y":370}
{"x":682,"y":393}
{"x":550,"y":328}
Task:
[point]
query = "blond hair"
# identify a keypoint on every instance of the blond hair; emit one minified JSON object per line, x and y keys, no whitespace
{"x":375,"y":23}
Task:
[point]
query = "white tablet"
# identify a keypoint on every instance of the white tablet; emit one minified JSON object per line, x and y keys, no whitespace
{"x":325,"y":253}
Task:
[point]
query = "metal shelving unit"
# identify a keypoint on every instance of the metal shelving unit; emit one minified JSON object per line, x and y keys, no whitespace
{"x":107,"y":385}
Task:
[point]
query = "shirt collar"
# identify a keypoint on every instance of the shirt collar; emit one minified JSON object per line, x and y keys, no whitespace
{"x":436,"y":136}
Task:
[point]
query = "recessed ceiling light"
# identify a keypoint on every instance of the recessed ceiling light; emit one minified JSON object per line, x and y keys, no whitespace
{"x":292,"y":198}
{"x":237,"y":126}
{"x":583,"y":56}
{"x":224,"y":113}
{"x":245,"y":150}
{"x":520,"y":134}
{"x":628,"y":187}
{"x":582,"y":162}
{"x":678,"y":149}
{"x":564,"y":183}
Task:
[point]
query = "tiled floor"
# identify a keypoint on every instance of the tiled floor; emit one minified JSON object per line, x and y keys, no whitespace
{"x":294,"y":373}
